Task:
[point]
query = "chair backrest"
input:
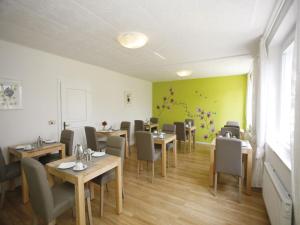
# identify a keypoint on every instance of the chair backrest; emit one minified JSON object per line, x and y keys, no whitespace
{"x":144,"y":145}
{"x":153,"y":120}
{"x":2,"y":165}
{"x":187,"y":121}
{"x":40,"y":193}
{"x":229,"y":156}
{"x":91,"y":139}
{"x":138,"y":125}
{"x":232,"y":124}
{"x":125,"y":125}
{"x":180,"y":131}
{"x":67,"y":137}
{"x":169,"y":128}
{"x":234,"y":131}
{"x":116,"y":146}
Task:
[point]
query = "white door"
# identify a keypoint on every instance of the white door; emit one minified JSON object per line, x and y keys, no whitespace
{"x":74,"y":109}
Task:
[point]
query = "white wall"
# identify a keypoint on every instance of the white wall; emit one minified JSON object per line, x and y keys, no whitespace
{"x":40,"y":71}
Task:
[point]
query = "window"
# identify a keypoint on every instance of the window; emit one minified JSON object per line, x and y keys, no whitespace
{"x":286,"y":120}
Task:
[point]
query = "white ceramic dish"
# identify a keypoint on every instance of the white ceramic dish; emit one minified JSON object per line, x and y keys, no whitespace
{"x":83,"y":168}
{"x":66,"y":165}
{"x":98,"y":154}
{"x":49,"y":141}
{"x":20,"y":147}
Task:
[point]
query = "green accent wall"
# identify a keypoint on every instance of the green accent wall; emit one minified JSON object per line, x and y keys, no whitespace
{"x":209,"y":101}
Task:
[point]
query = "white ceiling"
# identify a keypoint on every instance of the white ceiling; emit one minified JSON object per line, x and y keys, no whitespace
{"x":210,"y":37}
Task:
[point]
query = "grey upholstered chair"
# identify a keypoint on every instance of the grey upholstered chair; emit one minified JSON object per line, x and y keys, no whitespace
{"x":153,"y":120}
{"x":7,"y":172}
{"x":115,"y":146}
{"x":232,"y":124}
{"x":169,"y":129}
{"x":187,"y":121}
{"x":66,"y":137}
{"x":228,"y":159}
{"x":233,"y":130}
{"x":92,"y":141}
{"x":125,"y":125}
{"x":48,"y":203}
{"x":146,"y":150}
{"x":192,"y":122}
{"x":181,"y":133}
{"x":138,"y":125}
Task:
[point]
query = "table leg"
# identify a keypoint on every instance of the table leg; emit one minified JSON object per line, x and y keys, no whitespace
{"x":212,"y":167}
{"x":175,"y":152}
{"x":126,"y":146}
{"x":119,"y":186}
{"x":163,"y":160}
{"x":190,"y":140}
{"x":80,"y":202}
{"x":25,"y":194}
{"x":194,"y":139}
{"x":249,"y":172}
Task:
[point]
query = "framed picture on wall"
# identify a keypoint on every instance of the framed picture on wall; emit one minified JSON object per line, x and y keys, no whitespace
{"x":10,"y":94}
{"x":128,"y":98}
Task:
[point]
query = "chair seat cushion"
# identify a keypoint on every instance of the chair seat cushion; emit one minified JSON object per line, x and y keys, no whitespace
{"x":49,"y":158}
{"x":10,"y":171}
{"x":64,"y":197}
{"x":105,"y":177}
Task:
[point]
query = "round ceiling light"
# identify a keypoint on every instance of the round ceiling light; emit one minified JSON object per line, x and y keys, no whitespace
{"x":132,"y":39}
{"x":184,"y":73}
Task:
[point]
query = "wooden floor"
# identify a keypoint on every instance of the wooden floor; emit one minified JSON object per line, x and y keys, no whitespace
{"x":183,"y":197}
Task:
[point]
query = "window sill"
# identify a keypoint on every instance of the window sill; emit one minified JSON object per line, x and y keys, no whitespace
{"x":282,"y":154}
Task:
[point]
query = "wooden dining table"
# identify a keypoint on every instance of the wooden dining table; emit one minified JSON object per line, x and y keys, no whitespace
{"x":189,"y":130}
{"x":150,"y":126}
{"x":121,"y":133}
{"x":15,"y":155}
{"x":96,"y":167}
{"x":247,"y":152}
{"x":167,"y":138}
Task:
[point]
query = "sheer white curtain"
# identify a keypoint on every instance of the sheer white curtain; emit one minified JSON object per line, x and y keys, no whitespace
{"x":260,"y":114}
{"x":296,"y":139}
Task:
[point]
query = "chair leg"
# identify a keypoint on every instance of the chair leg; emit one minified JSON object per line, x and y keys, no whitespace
{"x":89,"y":208}
{"x":216,"y":184}
{"x":101,"y":199}
{"x":240,"y":188}
{"x":123,"y":193}
{"x":3,"y":191}
{"x":35,"y":220}
{"x":52,"y":222}
{"x":152,"y":171}
{"x":138,"y":168}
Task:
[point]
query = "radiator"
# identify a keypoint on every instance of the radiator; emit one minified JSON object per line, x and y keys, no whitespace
{"x":277,"y":199}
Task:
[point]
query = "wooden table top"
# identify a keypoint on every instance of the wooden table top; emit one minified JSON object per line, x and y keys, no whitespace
{"x":246,"y":146}
{"x":190,"y":128}
{"x":35,"y":151}
{"x":95,"y":167}
{"x":111,"y":132}
{"x":167,"y":138}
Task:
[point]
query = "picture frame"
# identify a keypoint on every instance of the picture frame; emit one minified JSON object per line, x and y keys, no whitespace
{"x":10,"y":94}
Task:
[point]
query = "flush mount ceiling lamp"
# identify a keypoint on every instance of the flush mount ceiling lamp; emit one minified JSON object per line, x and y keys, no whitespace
{"x":132,"y":40}
{"x":184,"y":73}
